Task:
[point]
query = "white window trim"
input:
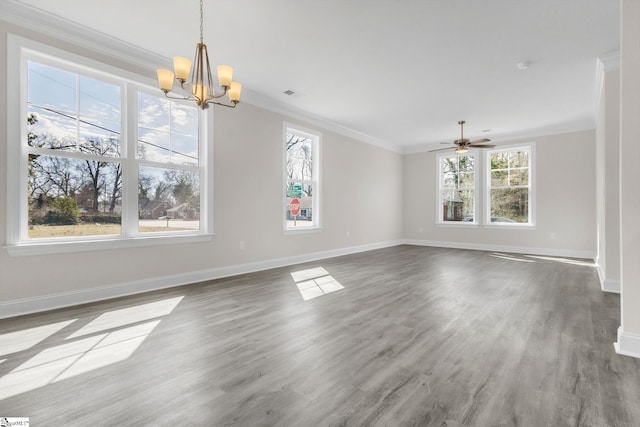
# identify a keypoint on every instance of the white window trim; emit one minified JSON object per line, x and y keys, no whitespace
{"x":476,"y":193}
{"x":316,"y":137}
{"x":19,"y":50}
{"x":531,"y":146}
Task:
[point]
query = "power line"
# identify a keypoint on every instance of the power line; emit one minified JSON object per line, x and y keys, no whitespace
{"x":60,"y":113}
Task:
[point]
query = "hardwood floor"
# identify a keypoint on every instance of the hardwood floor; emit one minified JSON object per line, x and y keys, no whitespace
{"x":416,"y":337}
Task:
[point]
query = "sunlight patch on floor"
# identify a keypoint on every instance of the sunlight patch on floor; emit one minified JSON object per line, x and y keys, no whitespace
{"x":563,"y":260}
{"x":74,"y":358}
{"x":110,"y":338}
{"x":127,"y":316}
{"x":510,"y":257}
{"x":14,"y":342}
{"x":315,"y":282}
{"x":533,"y":258}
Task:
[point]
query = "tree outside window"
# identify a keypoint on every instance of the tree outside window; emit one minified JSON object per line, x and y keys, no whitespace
{"x":457,"y":188}
{"x":77,"y":167}
{"x":510,"y":185}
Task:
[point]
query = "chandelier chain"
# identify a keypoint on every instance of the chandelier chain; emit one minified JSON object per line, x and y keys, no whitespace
{"x":201,"y":23}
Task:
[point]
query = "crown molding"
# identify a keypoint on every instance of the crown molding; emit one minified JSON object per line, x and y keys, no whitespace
{"x":518,"y":137}
{"x":268,"y":103}
{"x":64,"y":30}
{"x":610,"y":61}
{"x":56,"y":27}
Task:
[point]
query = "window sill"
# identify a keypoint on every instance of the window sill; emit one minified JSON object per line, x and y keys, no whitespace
{"x":511,"y":226}
{"x":98,"y":245}
{"x":306,"y":230}
{"x":458,"y":224}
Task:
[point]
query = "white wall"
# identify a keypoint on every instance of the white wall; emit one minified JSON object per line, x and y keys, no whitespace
{"x":361,"y":196}
{"x":565,"y":193}
{"x":629,"y":331}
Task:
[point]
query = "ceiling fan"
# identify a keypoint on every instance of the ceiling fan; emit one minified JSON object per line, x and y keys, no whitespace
{"x":463,"y":144}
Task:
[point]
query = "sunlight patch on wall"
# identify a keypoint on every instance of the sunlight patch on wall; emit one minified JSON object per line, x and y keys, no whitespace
{"x":315,"y":282}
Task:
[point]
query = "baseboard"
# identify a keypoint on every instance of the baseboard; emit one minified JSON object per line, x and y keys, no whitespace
{"x":612,"y":286}
{"x":50,"y":302}
{"x":628,"y":344}
{"x":608,"y":285}
{"x":567,"y":253}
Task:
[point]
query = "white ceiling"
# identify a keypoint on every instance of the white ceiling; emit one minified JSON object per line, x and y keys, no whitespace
{"x":399,"y":72}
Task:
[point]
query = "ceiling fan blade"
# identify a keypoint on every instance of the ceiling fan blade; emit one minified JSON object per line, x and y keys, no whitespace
{"x":479,"y":141}
{"x":447,"y":143}
{"x":484,"y":146}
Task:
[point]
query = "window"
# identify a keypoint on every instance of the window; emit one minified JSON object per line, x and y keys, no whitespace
{"x":168,"y":176}
{"x":509,"y":186}
{"x":101,"y":156}
{"x":301,"y":181}
{"x":457,"y":193}
{"x":74,"y":152}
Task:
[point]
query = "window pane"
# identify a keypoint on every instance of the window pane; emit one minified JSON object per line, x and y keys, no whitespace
{"x":499,"y":178}
{"x":100,"y":104}
{"x":167,"y":131}
{"x":51,"y":88}
{"x":71,"y":197}
{"x":168,"y":200}
{"x":299,"y":158}
{"x":449,"y":180}
{"x":500,"y":160}
{"x":49,"y":129}
{"x":457,"y":205}
{"x":519,"y":159}
{"x":304,"y":218}
{"x":98,"y":142}
{"x":153,"y":112}
{"x":466,"y":181}
{"x":154,"y":146}
{"x":449,"y":165}
{"x":510,"y":205}
{"x":184,"y":149}
{"x":466,"y":163}
{"x":519,"y":177}
{"x":184,"y":119}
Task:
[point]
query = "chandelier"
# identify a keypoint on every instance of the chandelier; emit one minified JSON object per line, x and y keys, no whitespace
{"x":200,"y":87}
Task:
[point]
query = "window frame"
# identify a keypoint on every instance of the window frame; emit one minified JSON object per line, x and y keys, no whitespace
{"x":20,"y":50}
{"x":530,"y":146}
{"x":477,"y":172}
{"x":316,"y":182}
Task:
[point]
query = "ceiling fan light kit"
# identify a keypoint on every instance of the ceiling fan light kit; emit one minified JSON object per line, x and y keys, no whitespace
{"x":200,"y":88}
{"x":463,"y":144}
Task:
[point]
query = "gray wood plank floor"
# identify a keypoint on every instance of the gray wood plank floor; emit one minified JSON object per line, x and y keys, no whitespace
{"x":417,"y":337}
